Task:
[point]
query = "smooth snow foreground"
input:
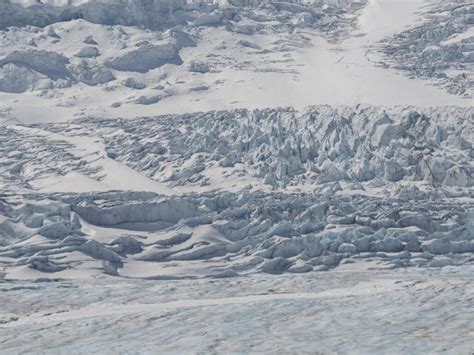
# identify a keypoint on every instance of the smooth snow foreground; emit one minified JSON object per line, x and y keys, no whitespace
{"x":405,"y":311}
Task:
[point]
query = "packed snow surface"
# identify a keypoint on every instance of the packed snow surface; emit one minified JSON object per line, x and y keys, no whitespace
{"x":429,"y":311}
{"x":236,"y":176}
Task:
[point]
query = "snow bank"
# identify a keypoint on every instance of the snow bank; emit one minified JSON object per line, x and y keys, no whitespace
{"x":51,"y":64}
{"x":21,"y":71}
{"x":87,"y":52}
{"x":169,"y":210}
{"x":146,"y":58}
{"x":92,"y":74}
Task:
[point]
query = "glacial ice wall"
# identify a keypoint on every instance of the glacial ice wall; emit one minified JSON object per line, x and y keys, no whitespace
{"x":145,"y":13}
{"x":150,"y":13}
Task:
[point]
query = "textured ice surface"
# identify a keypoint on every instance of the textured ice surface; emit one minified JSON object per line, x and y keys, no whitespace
{"x":342,"y":227}
{"x":284,"y":147}
{"x":309,"y":190}
{"x":440,"y":48}
{"x":162,"y":13}
{"x":318,"y":312}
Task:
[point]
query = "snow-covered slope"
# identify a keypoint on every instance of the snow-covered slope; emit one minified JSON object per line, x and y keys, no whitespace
{"x":441,"y":48}
{"x":226,"y":58}
{"x":175,"y":176}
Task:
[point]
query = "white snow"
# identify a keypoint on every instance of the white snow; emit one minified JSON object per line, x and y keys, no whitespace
{"x":459,"y":37}
{"x":236,"y":176}
{"x":114,"y":176}
{"x":298,"y":70}
{"x":298,"y":313}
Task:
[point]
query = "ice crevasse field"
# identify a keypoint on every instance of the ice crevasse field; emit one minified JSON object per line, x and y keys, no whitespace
{"x":237,"y":176}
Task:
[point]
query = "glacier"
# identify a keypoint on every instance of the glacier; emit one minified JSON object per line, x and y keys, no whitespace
{"x":236,"y":176}
{"x":310,"y":190}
